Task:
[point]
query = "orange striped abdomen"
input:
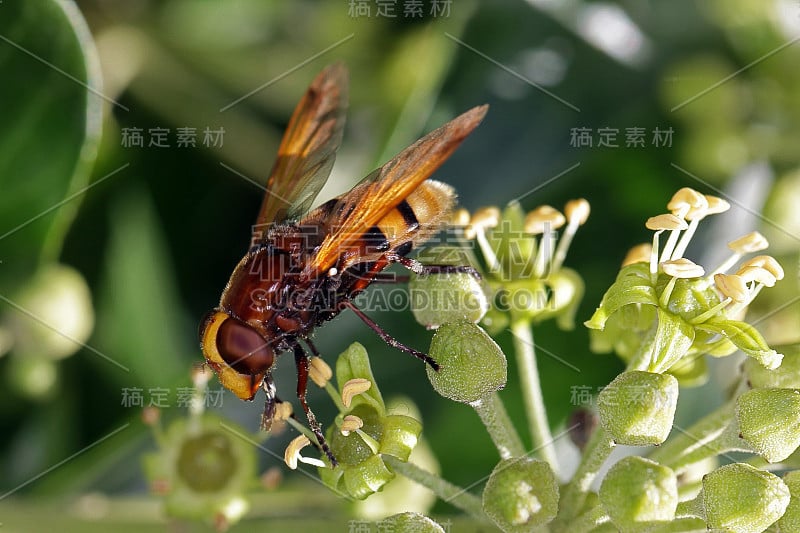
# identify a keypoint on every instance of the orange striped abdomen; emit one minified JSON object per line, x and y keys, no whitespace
{"x":416,"y":218}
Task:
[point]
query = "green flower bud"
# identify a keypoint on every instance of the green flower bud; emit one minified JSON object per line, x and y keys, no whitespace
{"x":361,"y":470}
{"x":769,"y":420}
{"x":440,"y":298}
{"x":409,"y":522}
{"x":206,"y":461}
{"x":32,"y":376}
{"x":521,"y":493}
{"x":202,"y":470}
{"x":790,"y":521}
{"x":743,"y":499}
{"x":637,"y":490}
{"x":471,"y":364}
{"x":786,"y":376}
{"x":60,"y":299}
{"x":637,"y":408}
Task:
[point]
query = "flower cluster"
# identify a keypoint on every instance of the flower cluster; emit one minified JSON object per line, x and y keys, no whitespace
{"x":523,"y":257}
{"x":664,"y":311}
{"x":202,"y":468}
{"x":363,"y":434}
{"x":662,"y":315}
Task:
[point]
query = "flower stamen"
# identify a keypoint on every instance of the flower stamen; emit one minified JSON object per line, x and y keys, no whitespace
{"x":577,"y":212}
{"x":283,"y":411}
{"x":292,"y":454}
{"x":460,"y":218}
{"x":767,"y":262}
{"x":747,"y":244}
{"x":543,"y":220}
{"x":678,"y":269}
{"x":350,"y":423}
{"x":732,"y":286}
{"x":640,"y":253}
{"x":319,"y":371}
{"x":711,"y":205}
{"x":483,"y":219}
{"x":659,"y":224}
{"x":353,"y":388}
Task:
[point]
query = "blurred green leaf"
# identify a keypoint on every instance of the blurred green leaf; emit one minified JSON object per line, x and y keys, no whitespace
{"x":139,"y":313}
{"x":51,"y":112}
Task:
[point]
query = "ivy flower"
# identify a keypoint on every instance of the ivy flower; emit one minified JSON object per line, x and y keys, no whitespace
{"x":664,"y":311}
{"x":202,"y":470}
{"x":523,"y":256}
{"x":364,"y":432}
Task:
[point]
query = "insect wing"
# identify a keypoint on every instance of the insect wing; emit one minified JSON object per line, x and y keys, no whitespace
{"x":308,"y":149}
{"x":383,"y":189}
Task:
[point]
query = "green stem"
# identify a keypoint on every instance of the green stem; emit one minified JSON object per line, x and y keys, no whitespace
{"x":446,"y":491}
{"x":302,"y":429}
{"x":494,"y":416}
{"x":691,"y":508}
{"x":532,"y":393}
{"x":574,"y":495}
{"x":594,"y":517}
{"x":702,"y":440}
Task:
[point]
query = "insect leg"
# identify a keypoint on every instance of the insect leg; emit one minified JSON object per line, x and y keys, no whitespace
{"x":388,"y":339}
{"x":270,"y":404}
{"x":418,"y":268}
{"x":313,"y":348}
{"x":301,"y":360}
{"x":389,"y":277}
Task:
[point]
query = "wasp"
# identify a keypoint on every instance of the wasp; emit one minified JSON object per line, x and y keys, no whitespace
{"x":305,"y":267}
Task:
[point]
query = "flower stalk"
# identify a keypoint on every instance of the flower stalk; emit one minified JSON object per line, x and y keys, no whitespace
{"x":574,"y":494}
{"x":494,"y":416}
{"x":446,"y":491}
{"x":535,"y":410}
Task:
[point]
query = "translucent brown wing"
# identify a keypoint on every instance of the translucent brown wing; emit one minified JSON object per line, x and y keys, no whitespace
{"x":308,"y":148}
{"x":383,"y":189}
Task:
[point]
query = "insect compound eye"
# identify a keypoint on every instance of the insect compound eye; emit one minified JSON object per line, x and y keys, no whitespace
{"x":243,"y":348}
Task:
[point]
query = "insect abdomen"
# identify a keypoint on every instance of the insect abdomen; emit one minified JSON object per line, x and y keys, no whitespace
{"x":416,"y":218}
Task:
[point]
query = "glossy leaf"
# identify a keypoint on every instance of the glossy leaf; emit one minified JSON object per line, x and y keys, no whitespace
{"x":51,"y":127}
